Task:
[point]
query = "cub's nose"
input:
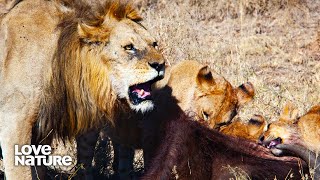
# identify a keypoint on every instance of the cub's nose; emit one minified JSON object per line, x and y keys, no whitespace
{"x":158,"y":67}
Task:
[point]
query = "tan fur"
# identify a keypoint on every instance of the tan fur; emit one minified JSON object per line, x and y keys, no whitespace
{"x":6,"y":5}
{"x":69,"y":79}
{"x":250,"y":130}
{"x":202,"y":91}
{"x":304,"y":130}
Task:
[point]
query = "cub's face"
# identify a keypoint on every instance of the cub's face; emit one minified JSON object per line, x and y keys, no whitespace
{"x":277,"y":133}
{"x":200,"y":90}
{"x":216,"y":107}
{"x":291,"y":130}
{"x":135,"y":63}
{"x":284,"y":130}
{"x":216,"y":101}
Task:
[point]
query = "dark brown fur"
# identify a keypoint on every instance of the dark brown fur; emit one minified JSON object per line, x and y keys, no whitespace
{"x":201,"y":153}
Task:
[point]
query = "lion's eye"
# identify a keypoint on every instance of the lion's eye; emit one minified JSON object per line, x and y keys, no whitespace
{"x":155,"y":44}
{"x":205,"y":116}
{"x":129,"y":47}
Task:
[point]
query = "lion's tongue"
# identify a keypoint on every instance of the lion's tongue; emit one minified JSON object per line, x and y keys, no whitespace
{"x":142,"y":90}
{"x":142,"y":93}
{"x":273,"y":143}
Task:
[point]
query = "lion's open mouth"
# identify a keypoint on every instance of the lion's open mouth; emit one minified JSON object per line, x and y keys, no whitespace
{"x":140,"y":92}
{"x":273,"y":143}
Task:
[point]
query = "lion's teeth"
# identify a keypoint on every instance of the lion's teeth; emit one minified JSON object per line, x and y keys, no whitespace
{"x":141,"y":92}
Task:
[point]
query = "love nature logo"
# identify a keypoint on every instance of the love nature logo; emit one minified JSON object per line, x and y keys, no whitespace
{"x":38,"y":155}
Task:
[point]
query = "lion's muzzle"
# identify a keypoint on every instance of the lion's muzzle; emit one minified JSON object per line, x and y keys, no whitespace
{"x":160,"y":68}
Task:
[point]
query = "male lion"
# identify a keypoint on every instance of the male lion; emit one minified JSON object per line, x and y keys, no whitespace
{"x":299,"y":136}
{"x":96,"y":67}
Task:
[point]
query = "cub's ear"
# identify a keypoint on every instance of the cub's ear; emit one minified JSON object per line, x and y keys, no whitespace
{"x":245,"y":93}
{"x":205,"y":79}
{"x":257,"y":120}
{"x":256,"y":125}
{"x":289,"y":113}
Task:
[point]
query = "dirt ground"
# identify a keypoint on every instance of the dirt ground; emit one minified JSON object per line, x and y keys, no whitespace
{"x":275,"y":44}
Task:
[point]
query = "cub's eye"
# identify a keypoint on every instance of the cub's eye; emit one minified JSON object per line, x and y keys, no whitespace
{"x":205,"y":116}
{"x":268,"y":126}
{"x":129,"y":47}
{"x":155,"y":44}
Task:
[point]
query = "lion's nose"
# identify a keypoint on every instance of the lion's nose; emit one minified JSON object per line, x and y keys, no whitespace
{"x":157,"y":66}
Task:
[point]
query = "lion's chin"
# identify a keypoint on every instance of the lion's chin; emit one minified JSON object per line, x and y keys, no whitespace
{"x":143,"y":107}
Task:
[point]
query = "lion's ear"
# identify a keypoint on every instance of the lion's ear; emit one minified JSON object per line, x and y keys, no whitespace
{"x":119,"y":11}
{"x":245,"y":93}
{"x":205,"y":79}
{"x":289,"y":113}
{"x":85,"y":31}
{"x":91,"y":34}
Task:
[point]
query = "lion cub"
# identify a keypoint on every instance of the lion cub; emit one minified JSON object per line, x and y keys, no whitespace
{"x":212,"y":99}
{"x":251,"y":130}
{"x":296,"y":136}
{"x":289,"y":129}
{"x":200,"y":90}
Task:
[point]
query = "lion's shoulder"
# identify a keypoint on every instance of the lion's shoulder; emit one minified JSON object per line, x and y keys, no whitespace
{"x":309,"y":125}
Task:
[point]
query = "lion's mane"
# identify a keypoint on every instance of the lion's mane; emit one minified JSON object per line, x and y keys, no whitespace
{"x":78,"y":95}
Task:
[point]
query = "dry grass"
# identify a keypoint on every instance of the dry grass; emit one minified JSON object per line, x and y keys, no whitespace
{"x":273,"y":44}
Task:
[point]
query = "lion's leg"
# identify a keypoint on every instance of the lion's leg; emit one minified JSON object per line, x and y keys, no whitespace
{"x":17,"y":134}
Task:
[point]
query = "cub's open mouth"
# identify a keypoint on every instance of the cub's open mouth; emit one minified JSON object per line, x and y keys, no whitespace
{"x":140,"y":92}
{"x":274,"y":143}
